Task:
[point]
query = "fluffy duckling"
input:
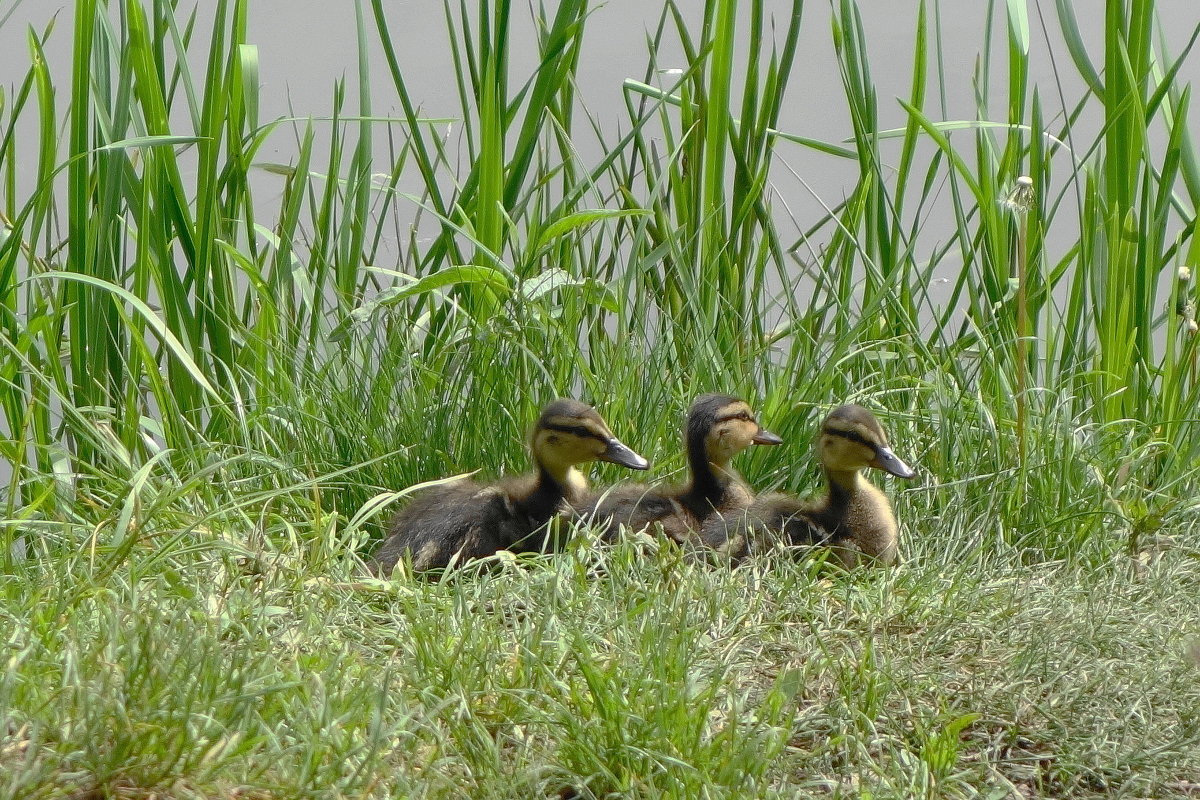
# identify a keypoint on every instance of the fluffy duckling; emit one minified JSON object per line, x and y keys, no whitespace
{"x":853,"y":517}
{"x":718,"y":428}
{"x":464,"y":520}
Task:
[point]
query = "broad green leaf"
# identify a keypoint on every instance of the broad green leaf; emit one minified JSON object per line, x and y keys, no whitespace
{"x":1076,"y":47}
{"x":136,"y":142}
{"x":547,"y":281}
{"x":966,"y":124}
{"x":460,"y":275}
{"x":465,"y":274}
{"x":958,"y":725}
{"x":554,"y":279}
{"x":580,"y":219}
{"x":1018,"y":22}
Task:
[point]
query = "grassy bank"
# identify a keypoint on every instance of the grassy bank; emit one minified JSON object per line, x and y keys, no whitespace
{"x":219,"y":672}
{"x":209,"y":407}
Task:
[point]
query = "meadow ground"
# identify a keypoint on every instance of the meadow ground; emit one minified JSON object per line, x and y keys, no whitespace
{"x":206,"y":669}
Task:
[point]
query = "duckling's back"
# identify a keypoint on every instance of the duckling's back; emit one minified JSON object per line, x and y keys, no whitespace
{"x":853,"y":525}
{"x":637,"y":508}
{"x":464,"y":519}
{"x":770,"y":520}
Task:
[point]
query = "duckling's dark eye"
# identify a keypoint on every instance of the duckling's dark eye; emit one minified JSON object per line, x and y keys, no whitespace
{"x":574,"y":430}
{"x":745,"y":416}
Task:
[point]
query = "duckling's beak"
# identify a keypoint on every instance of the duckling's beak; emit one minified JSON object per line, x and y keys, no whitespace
{"x":618,"y":453}
{"x":766,"y":437}
{"x":887,"y":461}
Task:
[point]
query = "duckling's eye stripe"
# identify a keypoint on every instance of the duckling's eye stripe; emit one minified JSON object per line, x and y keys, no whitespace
{"x":576,"y":430}
{"x":853,"y":436}
{"x":738,"y":415}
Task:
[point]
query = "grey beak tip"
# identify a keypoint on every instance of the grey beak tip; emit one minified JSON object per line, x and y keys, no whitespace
{"x":619,"y":453}
{"x":891,"y":464}
{"x":766,"y":437}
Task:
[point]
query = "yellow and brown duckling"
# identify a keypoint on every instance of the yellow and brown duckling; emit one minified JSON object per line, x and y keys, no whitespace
{"x":465,"y":520}
{"x":718,"y":428}
{"x":853,"y":517}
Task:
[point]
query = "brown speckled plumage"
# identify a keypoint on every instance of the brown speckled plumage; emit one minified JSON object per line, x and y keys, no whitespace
{"x":718,"y":428}
{"x":466,"y":520}
{"x":853,"y":517}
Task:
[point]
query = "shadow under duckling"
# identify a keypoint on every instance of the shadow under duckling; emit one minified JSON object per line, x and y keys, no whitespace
{"x":464,"y":520}
{"x":718,"y":428}
{"x":854,"y":518}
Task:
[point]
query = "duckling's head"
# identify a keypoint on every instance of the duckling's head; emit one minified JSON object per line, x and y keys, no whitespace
{"x":569,"y":432}
{"x":720,"y":427}
{"x":852,"y":440}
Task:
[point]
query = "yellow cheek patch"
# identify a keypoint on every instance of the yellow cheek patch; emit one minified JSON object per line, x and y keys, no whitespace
{"x":568,"y":448}
{"x":845,"y":454}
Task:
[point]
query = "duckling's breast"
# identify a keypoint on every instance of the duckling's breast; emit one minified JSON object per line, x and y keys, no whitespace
{"x":873,"y":524}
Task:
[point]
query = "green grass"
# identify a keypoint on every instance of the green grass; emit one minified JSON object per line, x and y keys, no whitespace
{"x":960,"y":674}
{"x":210,"y":408}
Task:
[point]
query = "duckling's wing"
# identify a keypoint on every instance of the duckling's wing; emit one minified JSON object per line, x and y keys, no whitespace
{"x":810,"y":527}
{"x":772,"y":520}
{"x":636,"y":507}
{"x":436,"y":525}
{"x":729,"y":534}
{"x":801,"y":530}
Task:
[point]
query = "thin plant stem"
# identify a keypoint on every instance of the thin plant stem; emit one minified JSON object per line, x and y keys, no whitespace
{"x":1022,"y":331}
{"x":1020,"y":201}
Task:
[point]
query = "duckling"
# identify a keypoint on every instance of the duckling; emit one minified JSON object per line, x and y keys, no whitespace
{"x":853,"y":517}
{"x":718,"y":428}
{"x":464,"y":520}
